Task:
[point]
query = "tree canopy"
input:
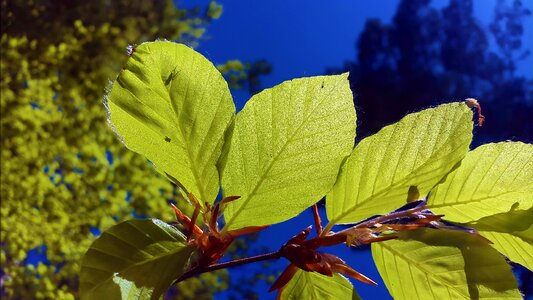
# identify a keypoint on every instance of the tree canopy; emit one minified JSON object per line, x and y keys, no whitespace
{"x":65,"y":176}
{"x":427,"y":55}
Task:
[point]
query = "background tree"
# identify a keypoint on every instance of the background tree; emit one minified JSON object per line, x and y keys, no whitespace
{"x":428,"y":55}
{"x":65,"y":177}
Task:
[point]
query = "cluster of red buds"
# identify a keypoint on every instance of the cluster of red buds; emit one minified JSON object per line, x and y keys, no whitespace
{"x":303,"y":255}
{"x":301,"y":252}
{"x":210,"y":241}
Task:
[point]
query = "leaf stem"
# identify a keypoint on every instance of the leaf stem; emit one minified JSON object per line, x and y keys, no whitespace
{"x":391,"y":216}
{"x":332,"y":239}
{"x":327,"y":229}
{"x":378,"y":219}
{"x":247,"y":260}
{"x":318,"y":222}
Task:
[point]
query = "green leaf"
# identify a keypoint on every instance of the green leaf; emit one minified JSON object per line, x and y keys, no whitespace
{"x":512,"y":246}
{"x":171,"y":104}
{"x":512,"y":221}
{"x":286,"y":149}
{"x":511,"y":233}
{"x":411,"y":155}
{"x":315,"y":286}
{"x":136,"y":259}
{"x":493,"y":178}
{"x":438,"y":264}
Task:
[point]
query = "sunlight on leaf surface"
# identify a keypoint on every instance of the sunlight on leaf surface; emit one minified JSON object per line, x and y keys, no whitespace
{"x":315,"y":286}
{"x":492,"y":179}
{"x":286,"y":149}
{"x":438,"y":264}
{"x":172,"y":105}
{"x":136,"y":259}
{"x":511,"y":232}
{"x":514,"y":247}
{"x":419,"y":150}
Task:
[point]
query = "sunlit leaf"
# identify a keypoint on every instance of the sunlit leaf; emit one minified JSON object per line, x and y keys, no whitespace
{"x":171,"y":104}
{"x":415,"y":153}
{"x":511,"y":233}
{"x":492,"y":179}
{"x":136,"y":259}
{"x":315,"y":286}
{"x":512,"y":246}
{"x":438,"y":264}
{"x":286,"y":149}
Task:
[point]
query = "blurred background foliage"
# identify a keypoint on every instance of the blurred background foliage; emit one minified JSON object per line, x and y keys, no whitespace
{"x":429,"y":55}
{"x":65,"y":177}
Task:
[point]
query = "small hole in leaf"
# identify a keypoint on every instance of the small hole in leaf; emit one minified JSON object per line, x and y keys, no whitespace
{"x":167,"y":139}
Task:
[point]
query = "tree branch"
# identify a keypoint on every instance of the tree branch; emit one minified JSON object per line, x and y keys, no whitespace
{"x":199,"y":270}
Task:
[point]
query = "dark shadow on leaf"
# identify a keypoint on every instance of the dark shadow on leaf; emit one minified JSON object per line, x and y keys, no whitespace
{"x":516,"y":222}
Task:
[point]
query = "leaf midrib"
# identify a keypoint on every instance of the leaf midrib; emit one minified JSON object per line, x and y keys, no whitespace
{"x":391,"y":187}
{"x":146,"y":261}
{"x":421,"y":268}
{"x":201,"y":187}
{"x":474,"y":200}
{"x":382,"y":192}
{"x":175,"y":121}
{"x":274,"y":159}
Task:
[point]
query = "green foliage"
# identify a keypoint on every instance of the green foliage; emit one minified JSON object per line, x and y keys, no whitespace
{"x":417,"y":151}
{"x":494,"y":178}
{"x":286,"y":148}
{"x":492,"y":192}
{"x":181,"y":128}
{"x":511,"y":232}
{"x":134,"y":259}
{"x":245,"y":75}
{"x":313,"y":286}
{"x":63,"y":171}
{"x":517,"y":246}
{"x":214,"y":10}
{"x":429,"y":264}
{"x":284,"y":151}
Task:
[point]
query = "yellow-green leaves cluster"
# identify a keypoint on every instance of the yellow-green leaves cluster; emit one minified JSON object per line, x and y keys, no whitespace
{"x":283,"y":150}
{"x":492,"y":191}
{"x":417,"y":151}
{"x":489,"y":189}
{"x":56,"y":179}
{"x":286,"y":149}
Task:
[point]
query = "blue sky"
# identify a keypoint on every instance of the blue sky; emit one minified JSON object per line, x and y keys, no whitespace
{"x":303,"y":38}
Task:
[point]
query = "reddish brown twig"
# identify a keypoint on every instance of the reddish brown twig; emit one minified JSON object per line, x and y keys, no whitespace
{"x":299,"y":250}
{"x":318,"y":222}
